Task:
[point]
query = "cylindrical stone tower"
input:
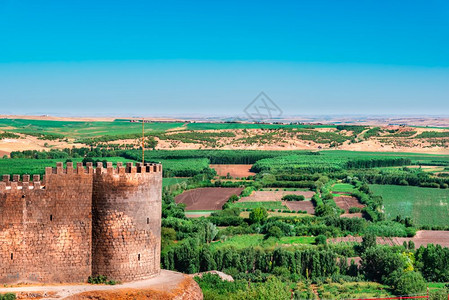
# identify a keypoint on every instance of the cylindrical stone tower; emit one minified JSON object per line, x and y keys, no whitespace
{"x":126,"y":221}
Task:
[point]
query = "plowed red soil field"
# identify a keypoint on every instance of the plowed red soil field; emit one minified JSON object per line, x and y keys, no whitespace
{"x":301,"y":205}
{"x":206,"y":198}
{"x":233,"y":170}
{"x":346,"y":202}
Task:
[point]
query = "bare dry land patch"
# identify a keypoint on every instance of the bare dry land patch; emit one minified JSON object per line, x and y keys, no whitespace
{"x":233,"y":170}
{"x":258,"y":196}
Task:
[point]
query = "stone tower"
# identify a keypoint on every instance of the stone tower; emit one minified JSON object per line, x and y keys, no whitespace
{"x":126,"y":224}
{"x":80,"y":222}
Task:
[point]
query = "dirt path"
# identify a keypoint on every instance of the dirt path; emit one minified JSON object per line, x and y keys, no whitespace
{"x":167,"y":281}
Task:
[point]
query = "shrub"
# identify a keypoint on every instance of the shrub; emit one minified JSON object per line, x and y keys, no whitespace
{"x":247,"y":191}
{"x":353,"y":210}
{"x":292,"y":197}
{"x":275,"y":232}
{"x":258,"y":215}
{"x":321,"y":240}
{"x":282,"y":272}
{"x":101,"y":279}
{"x":408,"y":283}
{"x":233,"y":198}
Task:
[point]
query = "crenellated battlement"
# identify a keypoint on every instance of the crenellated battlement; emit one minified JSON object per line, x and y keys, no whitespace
{"x":100,"y":169}
{"x":128,"y":168}
{"x":35,"y":182}
{"x":79,"y":221}
{"x":16,"y":184}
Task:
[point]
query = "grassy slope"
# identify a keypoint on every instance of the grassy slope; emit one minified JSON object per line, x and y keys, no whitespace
{"x":426,"y":206}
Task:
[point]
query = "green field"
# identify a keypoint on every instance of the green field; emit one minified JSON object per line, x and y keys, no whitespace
{"x":265,"y":204}
{"x":343,"y":187}
{"x":426,"y":206}
{"x":37,"y":166}
{"x":72,"y":129}
{"x":172,"y":167}
{"x":172,"y":181}
{"x":186,"y":167}
{"x":252,"y":240}
{"x":416,"y":158}
{"x":221,"y":126}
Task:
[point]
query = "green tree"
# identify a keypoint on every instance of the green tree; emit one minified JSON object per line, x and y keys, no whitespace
{"x":258,"y":215}
{"x":151,"y":142}
{"x":368,"y":241}
{"x":273,"y":289}
{"x":321,"y":240}
{"x":268,"y":179}
{"x":409,"y":283}
{"x":275,"y":232}
{"x":233,"y":198}
{"x":167,"y":236}
{"x":380,"y":262}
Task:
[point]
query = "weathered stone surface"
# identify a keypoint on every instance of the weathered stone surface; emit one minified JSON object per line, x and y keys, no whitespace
{"x":126,"y":225}
{"x":46,"y":228}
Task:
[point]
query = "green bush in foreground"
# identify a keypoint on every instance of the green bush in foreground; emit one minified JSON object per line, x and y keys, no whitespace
{"x":7,"y":296}
{"x":215,"y":288}
{"x":408,"y":283}
{"x":101,"y":279}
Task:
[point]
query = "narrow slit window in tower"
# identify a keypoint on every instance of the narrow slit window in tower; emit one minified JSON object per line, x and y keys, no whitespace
{"x":138,"y":257}
{"x":51,"y":217}
{"x":12,"y":256}
{"x":148,"y":220}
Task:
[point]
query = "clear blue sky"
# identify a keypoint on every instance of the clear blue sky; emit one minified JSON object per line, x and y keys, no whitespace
{"x":214,"y":57}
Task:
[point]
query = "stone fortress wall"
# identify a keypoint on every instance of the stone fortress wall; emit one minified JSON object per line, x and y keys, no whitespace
{"x":81,"y":222}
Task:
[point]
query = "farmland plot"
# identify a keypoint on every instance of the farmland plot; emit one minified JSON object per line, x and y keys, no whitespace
{"x":274,"y":195}
{"x":206,"y":198}
{"x":301,"y":205}
{"x":233,"y":170}
{"x":426,"y":206}
{"x":422,"y":238}
{"x":346,"y":202}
